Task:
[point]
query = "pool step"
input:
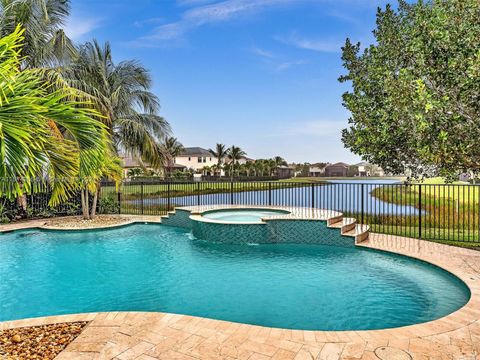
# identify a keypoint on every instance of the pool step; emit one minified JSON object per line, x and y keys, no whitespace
{"x":359,"y":232}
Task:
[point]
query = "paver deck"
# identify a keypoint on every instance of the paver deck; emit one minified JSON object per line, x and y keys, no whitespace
{"x":148,"y":336}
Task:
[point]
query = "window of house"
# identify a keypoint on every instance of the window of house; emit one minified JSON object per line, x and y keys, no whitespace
{"x":189,"y":159}
{"x":199,"y":159}
{"x":204,"y":159}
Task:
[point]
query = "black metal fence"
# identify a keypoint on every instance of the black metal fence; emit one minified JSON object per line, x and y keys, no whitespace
{"x":433,"y":212}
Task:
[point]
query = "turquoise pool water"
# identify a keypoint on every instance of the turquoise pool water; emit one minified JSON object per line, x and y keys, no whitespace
{"x":241,"y":215}
{"x":161,"y":268}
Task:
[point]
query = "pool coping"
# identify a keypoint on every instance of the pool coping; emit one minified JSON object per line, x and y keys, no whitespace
{"x":463,"y":263}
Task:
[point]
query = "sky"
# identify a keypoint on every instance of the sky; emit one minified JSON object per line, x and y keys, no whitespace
{"x":259,"y":74}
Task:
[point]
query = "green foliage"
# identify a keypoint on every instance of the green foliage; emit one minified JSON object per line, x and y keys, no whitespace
{"x":415,"y":95}
{"x":121,"y":94}
{"x":44,"y":126}
{"x":108,"y":205}
{"x":45,"y":42}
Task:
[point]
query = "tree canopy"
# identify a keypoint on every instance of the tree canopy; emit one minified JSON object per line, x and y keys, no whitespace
{"x":415,"y":98}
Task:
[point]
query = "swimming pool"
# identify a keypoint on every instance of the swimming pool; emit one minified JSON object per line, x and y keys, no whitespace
{"x":163,"y":268}
{"x":241,"y":215}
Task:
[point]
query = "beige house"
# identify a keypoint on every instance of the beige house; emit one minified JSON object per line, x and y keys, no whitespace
{"x":316,"y":171}
{"x":195,"y":158}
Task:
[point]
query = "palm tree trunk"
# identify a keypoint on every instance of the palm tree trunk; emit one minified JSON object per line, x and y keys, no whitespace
{"x":85,"y":210}
{"x":94,"y":205}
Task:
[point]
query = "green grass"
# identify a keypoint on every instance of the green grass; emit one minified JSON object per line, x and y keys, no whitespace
{"x":324,"y":179}
{"x":137,"y":191}
{"x":452,"y":212}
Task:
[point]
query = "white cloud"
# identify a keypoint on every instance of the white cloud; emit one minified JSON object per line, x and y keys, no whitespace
{"x":76,"y":28}
{"x":209,"y":14}
{"x":288,"y":64}
{"x":263,"y":53}
{"x":321,"y":45}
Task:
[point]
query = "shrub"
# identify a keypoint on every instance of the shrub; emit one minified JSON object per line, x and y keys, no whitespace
{"x":108,"y":205}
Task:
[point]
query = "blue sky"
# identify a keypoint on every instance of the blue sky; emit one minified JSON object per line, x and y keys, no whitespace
{"x":260,"y":74}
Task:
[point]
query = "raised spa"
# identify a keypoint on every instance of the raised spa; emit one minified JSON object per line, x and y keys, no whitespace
{"x":242,"y":215}
{"x":290,"y":284}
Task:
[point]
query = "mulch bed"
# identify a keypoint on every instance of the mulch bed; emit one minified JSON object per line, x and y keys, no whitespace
{"x":38,"y":342}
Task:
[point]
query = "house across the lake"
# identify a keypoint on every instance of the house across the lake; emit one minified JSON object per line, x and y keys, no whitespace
{"x":316,"y":171}
{"x":285,"y":172}
{"x":195,"y":158}
{"x":339,"y":169}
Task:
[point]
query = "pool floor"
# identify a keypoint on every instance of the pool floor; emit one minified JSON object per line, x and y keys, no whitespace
{"x":161,"y":268}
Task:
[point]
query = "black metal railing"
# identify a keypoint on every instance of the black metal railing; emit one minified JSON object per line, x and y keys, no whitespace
{"x":435,"y":212}
{"x":445,"y":212}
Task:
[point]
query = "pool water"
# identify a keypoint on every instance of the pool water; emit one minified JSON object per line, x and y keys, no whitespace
{"x":242,"y":215}
{"x":161,"y":268}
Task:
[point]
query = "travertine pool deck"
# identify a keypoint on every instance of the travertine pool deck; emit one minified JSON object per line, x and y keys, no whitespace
{"x":144,"y":336}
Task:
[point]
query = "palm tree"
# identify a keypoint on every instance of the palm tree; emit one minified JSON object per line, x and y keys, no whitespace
{"x":220,"y":153}
{"x":44,"y":132}
{"x":45,"y":43}
{"x":121,"y":93}
{"x":234,"y":154}
{"x":173,"y":148}
{"x":278,"y":161}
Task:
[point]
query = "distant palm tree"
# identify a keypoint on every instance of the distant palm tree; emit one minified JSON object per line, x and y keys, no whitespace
{"x":220,"y":153}
{"x":121,"y":93}
{"x":173,"y":148}
{"x":45,"y":42}
{"x":278,"y":161}
{"x":234,"y":154}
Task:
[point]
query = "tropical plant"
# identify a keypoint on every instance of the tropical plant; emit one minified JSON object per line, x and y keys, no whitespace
{"x":220,"y":153}
{"x":45,"y":43}
{"x":134,"y":172}
{"x":414,"y":101}
{"x":45,"y":131}
{"x":108,"y":166}
{"x":121,"y":93}
{"x":173,"y":148}
{"x":234,"y":154}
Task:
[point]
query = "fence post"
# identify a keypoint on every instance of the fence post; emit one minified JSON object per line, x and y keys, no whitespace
{"x":362,"y":201}
{"x":419,"y":211}
{"x":231,"y":192}
{"x":119,"y":199}
{"x":168,"y":197}
{"x":269,"y":194}
{"x":313,"y":195}
{"x":198,"y":193}
{"x":141,"y":195}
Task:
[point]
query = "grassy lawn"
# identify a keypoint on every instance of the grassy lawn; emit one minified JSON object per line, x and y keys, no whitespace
{"x":324,"y":179}
{"x":452,"y":211}
{"x":135,"y":191}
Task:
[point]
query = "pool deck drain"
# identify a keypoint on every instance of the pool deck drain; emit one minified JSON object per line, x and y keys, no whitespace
{"x":147,"y":336}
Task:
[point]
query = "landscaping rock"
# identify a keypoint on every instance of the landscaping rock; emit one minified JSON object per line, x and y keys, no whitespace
{"x":38,"y":342}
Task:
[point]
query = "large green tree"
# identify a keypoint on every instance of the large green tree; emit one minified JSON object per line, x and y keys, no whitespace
{"x":121,"y":93}
{"x":415,"y":98}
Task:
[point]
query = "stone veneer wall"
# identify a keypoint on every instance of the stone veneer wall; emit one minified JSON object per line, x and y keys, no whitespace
{"x":273,"y":231}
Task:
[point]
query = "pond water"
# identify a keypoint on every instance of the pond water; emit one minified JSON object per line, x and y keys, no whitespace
{"x":339,"y":195}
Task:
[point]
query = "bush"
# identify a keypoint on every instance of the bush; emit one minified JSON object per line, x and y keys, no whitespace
{"x":108,"y":205}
